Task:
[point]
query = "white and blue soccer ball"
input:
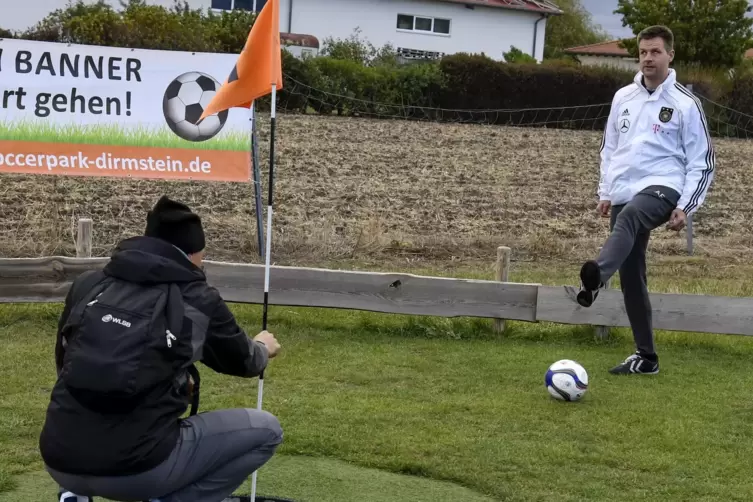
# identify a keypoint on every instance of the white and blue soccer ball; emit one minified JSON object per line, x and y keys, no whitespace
{"x":566,"y":380}
{"x":185,"y":100}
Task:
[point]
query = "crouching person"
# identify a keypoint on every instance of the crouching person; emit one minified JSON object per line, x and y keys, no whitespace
{"x":127,"y":341}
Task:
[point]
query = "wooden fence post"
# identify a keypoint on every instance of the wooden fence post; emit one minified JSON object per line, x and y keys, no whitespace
{"x":602,"y":332}
{"x":502,"y":269}
{"x":84,"y":238}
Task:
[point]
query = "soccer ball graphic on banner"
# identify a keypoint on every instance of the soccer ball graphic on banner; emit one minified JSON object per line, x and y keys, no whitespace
{"x":566,"y":380}
{"x":184,"y":102}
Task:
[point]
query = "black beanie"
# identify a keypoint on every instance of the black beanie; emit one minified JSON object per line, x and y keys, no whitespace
{"x":175,"y":223}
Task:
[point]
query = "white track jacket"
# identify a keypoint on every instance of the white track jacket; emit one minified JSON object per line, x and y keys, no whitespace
{"x":656,"y":139}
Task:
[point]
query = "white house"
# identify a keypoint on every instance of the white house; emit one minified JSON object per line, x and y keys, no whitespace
{"x":416,"y":28}
{"x":421,"y":28}
{"x":608,"y":54}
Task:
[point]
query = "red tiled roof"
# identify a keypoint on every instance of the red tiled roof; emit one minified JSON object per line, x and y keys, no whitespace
{"x":612,"y":48}
{"x":299,"y":39}
{"x":542,"y":6}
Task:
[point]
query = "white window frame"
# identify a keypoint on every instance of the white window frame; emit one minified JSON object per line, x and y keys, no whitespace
{"x":422,"y":32}
{"x":232,"y":7}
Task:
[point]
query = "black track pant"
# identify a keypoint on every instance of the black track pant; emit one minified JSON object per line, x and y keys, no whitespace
{"x":625,"y":251}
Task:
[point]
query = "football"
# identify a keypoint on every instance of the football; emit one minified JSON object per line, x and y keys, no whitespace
{"x":184,"y":102}
{"x":566,"y":380}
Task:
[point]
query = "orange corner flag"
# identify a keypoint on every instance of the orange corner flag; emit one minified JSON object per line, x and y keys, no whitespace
{"x":258,"y":67}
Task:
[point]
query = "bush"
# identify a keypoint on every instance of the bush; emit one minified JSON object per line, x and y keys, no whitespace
{"x":740,"y":102}
{"x":740,"y":97}
{"x":479,"y":83}
{"x":515,"y":55}
{"x":143,"y":26}
{"x":359,"y":51}
{"x":345,"y":87}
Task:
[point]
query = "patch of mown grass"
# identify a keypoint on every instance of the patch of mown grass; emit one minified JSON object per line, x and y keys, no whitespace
{"x":114,"y":134}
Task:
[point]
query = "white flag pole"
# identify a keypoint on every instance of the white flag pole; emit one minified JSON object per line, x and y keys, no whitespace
{"x":268,"y":253}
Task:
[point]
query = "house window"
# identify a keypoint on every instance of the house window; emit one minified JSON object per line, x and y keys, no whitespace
{"x":404,"y":22}
{"x":222,"y":4}
{"x":238,"y":4}
{"x":423,"y":24}
{"x":442,"y":26}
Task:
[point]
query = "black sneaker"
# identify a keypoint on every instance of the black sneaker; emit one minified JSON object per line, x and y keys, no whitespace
{"x":636,"y":365}
{"x":590,"y":283}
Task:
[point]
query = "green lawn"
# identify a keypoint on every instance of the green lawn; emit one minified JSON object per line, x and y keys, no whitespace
{"x":302,"y":478}
{"x":449,"y":400}
{"x":112,"y":134}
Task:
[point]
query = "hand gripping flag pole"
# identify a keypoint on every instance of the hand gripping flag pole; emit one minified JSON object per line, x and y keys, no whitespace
{"x":257,"y":73}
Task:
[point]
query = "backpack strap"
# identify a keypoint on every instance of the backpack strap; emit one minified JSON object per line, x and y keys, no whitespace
{"x":91,"y":280}
{"x":90,"y":287}
{"x":175,"y":314}
{"x":194,"y":372}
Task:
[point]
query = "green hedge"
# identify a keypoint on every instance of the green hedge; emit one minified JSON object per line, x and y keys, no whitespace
{"x":475,"y":88}
{"x":547,"y":94}
{"x":460,"y":87}
{"x":737,"y":118}
{"x":325,"y":85}
{"x":466,"y":88}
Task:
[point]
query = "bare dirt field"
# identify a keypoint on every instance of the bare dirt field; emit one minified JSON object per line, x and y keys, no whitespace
{"x":351,"y":189}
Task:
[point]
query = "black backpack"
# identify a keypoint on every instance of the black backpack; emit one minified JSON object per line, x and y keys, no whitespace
{"x":123,"y":340}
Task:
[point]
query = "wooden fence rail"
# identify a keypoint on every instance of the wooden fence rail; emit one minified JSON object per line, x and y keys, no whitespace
{"x":47,"y":279}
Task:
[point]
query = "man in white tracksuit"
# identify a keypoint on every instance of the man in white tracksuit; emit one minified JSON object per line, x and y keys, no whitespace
{"x":657,"y":163}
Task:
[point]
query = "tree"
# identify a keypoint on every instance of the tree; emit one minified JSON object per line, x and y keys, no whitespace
{"x":139,"y":24}
{"x":515,"y":55}
{"x":573,"y":28}
{"x":360,"y":51}
{"x":707,"y":32}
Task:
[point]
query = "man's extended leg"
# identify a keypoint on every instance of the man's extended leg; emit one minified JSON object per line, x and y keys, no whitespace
{"x":648,"y":209}
{"x":633,"y":282}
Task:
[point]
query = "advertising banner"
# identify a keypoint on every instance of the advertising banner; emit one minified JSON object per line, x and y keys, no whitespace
{"x":118,"y":112}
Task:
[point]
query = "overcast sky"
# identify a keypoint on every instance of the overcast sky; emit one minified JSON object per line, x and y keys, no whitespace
{"x":601,"y":12}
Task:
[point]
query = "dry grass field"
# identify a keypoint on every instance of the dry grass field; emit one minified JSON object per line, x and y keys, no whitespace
{"x":355,"y":189}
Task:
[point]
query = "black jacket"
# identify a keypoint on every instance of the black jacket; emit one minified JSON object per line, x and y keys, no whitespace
{"x":79,"y":441}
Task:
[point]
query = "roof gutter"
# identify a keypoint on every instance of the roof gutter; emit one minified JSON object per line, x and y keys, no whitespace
{"x":290,"y":17}
{"x":535,"y":33}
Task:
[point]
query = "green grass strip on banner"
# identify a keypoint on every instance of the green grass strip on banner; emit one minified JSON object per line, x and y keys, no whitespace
{"x":113,"y":134}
